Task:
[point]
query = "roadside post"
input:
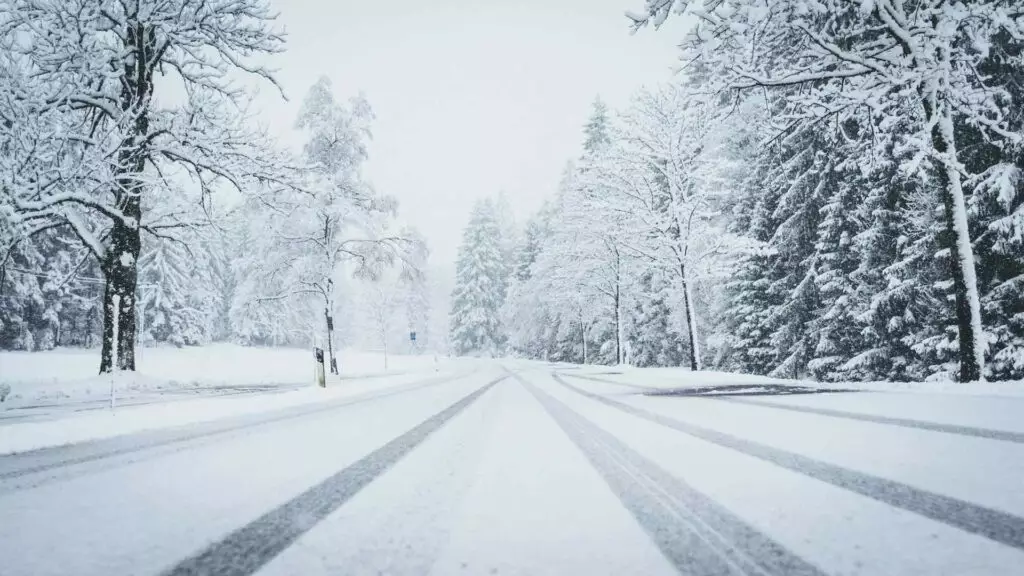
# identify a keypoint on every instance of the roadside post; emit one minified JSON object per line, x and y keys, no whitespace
{"x":321,"y":378}
{"x":114,"y":359}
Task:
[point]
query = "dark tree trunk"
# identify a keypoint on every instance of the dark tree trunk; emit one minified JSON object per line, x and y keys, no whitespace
{"x":120,"y":263}
{"x":330,"y":343}
{"x":691,"y":328}
{"x":121,"y":278}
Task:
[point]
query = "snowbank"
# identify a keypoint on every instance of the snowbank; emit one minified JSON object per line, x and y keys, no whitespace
{"x":71,"y":373}
{"x":80,"y":427}
{"x":663,"y":378}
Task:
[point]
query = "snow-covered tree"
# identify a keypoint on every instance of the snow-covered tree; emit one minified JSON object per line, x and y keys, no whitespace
{"x":91,"y":145}
{"x":475,"y":322}
{"x":383,"y":301}
{"x":333,"y":223}
{"x":666,"y":169}
{"x":526,"y":331}
{"x":595,"y":131}
{"x":177,"y":300}
{"x":574,"y":291}
{"x":875,"y":61}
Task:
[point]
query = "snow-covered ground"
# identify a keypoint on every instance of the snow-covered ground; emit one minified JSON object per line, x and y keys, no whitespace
{"x":668,"y":378}
{"x":71,"y":373}
{"x":141,"y":515}
{"x":57,"y":399}
{"x":541,"y":474}
{"x":106,"y":423}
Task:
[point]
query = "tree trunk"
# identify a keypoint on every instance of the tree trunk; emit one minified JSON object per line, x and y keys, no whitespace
{"x":121,"y":271}
{"x":583,"y":336}
{"x":691,"y":321}
{"x":330,"y":341}
{"x":618,"y":327}
{"x":120,"y":265}
{"x":965,"y":282}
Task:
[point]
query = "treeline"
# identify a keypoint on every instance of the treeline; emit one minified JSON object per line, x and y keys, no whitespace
{"x":830,"y":190}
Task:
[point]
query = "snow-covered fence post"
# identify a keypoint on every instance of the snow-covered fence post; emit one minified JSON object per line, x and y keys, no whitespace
{"x":140,"y":338}
{"x":115,"y":304}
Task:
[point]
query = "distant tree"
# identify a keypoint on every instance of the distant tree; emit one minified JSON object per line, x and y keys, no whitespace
{"x":663,"y":170}
{"x":653,"y":337}
{"x":177,"y":297}
{"x":331,"y":222}
{"x":478,"y":295}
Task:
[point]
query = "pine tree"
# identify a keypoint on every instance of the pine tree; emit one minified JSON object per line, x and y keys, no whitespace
{"x":835,"y":330}
{"x":177,"y":295}
{"x":653,"y":337}
{"x":595,"y":131}
{"x":996,"y":209}
{"x":477,"y":299}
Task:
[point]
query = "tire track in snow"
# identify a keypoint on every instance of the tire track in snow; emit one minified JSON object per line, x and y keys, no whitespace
{"x":643,"y":389}
{"x":993,"y":524}
{"x":249,"y":548}
{"x":14,"y":466}
{"x":988,"y":433}
{"x":696,"y":534}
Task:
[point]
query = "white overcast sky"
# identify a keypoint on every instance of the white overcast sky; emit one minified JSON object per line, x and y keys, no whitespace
{"x":471,"y":96}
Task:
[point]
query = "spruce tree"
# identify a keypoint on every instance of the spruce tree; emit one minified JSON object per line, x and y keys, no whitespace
{"x":477,"y":298}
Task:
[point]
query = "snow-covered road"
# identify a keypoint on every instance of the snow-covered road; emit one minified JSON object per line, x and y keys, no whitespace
{"x":524,"y":468}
